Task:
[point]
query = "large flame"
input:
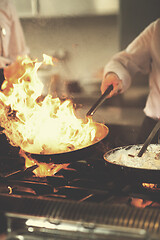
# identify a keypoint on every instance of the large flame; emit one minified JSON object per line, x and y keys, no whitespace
{"x":39,"y":126}
{"x":44,"y":169}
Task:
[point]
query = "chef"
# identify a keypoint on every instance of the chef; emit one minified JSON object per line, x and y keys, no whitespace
{"x":141,"y":55}
{"x":12,"y":41}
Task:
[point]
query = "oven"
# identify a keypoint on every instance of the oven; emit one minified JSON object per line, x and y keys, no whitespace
{"x":85,"y":200}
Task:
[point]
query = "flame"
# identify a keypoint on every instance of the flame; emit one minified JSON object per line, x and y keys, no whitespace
{"x":151,"y":186}
{"x":39,"y":126}
{"x":48,"y":126}
{"x":43,"y":169}
{"x":140,"y":203}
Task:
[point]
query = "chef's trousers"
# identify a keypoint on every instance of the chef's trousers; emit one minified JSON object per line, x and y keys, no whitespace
{"x":146,"y":128}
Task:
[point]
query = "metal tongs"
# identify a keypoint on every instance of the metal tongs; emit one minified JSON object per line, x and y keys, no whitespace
{"x":99,"y":101}
{"x":149,"y":139}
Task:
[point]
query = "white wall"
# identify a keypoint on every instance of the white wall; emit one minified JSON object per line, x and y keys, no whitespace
{"x":88,"y":41}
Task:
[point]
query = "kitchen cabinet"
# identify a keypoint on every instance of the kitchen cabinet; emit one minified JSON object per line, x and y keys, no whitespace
{"x":65,"y":8}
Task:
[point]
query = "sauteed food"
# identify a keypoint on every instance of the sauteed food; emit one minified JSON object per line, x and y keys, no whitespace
{"x":128,"y":157}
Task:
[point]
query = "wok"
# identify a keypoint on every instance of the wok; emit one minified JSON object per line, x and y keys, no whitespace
{"x":71,"y":156}
{"x":79,"y":154}
{"x":140,"y":175}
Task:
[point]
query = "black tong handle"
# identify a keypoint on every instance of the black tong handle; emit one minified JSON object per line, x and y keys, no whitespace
{"x":149,"y":139}
{"x":99,"y":101}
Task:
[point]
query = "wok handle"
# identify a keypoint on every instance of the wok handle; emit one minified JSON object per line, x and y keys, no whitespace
{"x":149,"y":139}
{"x":99,"y":101}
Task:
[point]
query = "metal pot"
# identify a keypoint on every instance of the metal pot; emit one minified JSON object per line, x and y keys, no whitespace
{"x":135,"y":174}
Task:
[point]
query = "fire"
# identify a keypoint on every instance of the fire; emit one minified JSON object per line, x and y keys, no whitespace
{"x":43,"y":169}
{"x":140,"y":203}
{"x":48,"y":126}
{"x":151,"y":186}
{"x":39,"y":126}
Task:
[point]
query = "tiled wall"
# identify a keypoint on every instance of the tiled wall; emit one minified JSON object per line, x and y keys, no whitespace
{"x":88,"y":41}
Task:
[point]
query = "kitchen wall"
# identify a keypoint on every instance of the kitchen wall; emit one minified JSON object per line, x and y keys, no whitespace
{"x":134,"y":16}
{"x":84,"y":43}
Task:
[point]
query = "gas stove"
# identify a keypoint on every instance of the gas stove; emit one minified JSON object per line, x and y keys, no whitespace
{"x":86,"y":200}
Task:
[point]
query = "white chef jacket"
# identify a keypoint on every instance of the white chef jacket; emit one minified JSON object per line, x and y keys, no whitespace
{"x":12,"y":41}
{"x":142,"y":55}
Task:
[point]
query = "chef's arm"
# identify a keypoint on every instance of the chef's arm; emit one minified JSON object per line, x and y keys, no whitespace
{"x":17,"y":43}
{"x":125,"y":64}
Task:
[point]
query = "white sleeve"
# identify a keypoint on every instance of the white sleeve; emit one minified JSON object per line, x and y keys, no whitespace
{"x":17,"y":44}
{"x":135,"y":58}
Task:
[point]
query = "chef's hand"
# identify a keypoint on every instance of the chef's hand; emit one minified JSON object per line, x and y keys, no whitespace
{"x":111,"y":79}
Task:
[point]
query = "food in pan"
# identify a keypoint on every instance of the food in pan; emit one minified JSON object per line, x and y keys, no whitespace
{"x":128,"y":157}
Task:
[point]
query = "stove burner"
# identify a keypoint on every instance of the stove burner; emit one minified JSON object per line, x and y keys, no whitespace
{"x":86,"y":191}
{"x":83,"y":181}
